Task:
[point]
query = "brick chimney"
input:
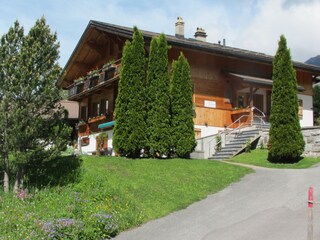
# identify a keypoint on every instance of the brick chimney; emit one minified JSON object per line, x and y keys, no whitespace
{"x":180,"y":27}
{"x":200,"y":34}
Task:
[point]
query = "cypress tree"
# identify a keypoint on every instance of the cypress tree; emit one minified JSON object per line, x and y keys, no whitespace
{"x":286,"y":142}
{"x":121,"y":133}
{"x":130,"y":128}
{"x":182,"y":126}
{"x":158,"y":98}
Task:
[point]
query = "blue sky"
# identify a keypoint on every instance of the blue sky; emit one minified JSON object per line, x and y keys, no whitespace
{"x":249,"y":24}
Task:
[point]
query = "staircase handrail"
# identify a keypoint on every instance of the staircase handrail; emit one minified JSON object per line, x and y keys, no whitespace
{"x":255,"y":108}
{"x":228,"y":131}
{"x":241,"y":125}
{"x":226,"y":128}
{"x":238,"y":120}
{"x":260,"y":117}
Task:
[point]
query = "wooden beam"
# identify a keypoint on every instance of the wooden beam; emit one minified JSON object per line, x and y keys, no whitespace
{"x":80,"y":65}
{"x":99,"y":48}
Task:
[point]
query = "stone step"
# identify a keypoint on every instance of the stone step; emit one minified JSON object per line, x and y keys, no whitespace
{"x":218,"y":158}
{"x":251,"y":133}
{"x":233,"y":145}
{"x":223,"y":153}
{"x":238,"y":141}
{"x":244,"y":137}
{"x":231,"y":148}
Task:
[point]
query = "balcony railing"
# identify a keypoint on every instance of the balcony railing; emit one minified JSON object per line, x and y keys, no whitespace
{"x":75,"y":89}
{"x":91,"y":125}
{"x":95,"y":78}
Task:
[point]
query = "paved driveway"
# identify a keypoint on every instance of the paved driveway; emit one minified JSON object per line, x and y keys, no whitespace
{"x":268,"y":204}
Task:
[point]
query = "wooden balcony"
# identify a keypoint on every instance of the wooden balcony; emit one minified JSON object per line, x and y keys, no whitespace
{"x":94,"y":80}
{"x":91,"y":125}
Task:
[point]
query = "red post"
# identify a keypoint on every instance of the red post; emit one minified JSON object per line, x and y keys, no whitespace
{"x":310,"y":197}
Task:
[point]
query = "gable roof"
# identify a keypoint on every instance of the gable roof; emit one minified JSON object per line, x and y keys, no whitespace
{"x":188,"y":43}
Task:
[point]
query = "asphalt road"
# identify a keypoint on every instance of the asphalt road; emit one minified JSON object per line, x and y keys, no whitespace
{"x":270,"y":204}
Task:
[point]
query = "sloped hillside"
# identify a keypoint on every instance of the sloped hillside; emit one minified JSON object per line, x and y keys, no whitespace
{"x":314,"y":60}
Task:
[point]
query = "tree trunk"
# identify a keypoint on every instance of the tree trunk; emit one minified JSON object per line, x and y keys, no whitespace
{"x":19,"y":179}
{"x":6,"y":173}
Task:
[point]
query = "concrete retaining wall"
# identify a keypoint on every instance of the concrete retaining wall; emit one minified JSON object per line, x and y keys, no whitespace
{"x":311,"y":137}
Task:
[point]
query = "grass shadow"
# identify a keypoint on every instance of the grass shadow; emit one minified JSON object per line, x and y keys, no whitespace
{"x":58,"y":171}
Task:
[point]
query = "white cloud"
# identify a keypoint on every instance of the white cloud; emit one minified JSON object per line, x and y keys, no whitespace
{"x":249,"y":24}
{"x":298,"y":22}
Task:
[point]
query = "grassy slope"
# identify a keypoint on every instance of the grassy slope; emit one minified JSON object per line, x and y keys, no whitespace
{"x":162,"y":186}
{"x":259,"y":157}
{"x":132,"y":191}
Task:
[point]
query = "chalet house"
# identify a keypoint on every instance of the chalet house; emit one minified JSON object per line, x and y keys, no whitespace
{"x":231,"y":86}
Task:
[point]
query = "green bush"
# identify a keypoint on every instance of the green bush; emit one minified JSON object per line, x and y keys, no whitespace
{"x":247,"y":148}
{"x":218,"y":143}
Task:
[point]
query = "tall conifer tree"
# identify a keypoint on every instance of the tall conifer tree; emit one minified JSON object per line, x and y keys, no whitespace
{"x":32,"y":123}
{"x":286,"y":142}
{"x":158,"y":98}
{"x":10,"y":52}
{"x":182,"y":126}
{"x":130,"y":113}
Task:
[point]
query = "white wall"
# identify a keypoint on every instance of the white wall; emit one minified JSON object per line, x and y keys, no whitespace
{"x":92,"y":143}
{"x":207,"y":131}
{"x":307,"y":116}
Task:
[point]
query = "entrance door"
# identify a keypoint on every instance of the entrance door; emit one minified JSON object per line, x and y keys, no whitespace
{"x":258,"y":101}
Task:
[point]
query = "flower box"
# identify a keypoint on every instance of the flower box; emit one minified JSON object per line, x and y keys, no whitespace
{"x":96,"y":119}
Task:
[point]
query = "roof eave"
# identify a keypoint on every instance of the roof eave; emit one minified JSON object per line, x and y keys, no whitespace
{"x":186,"y":43}
{"x":59,"y":82}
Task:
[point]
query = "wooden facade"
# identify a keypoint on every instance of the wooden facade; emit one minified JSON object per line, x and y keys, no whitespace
{"x":222,"y":92}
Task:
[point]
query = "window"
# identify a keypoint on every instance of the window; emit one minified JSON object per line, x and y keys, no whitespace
{"x":95,"y":109}
{"x":83,"y":113}
{"x":258,"y":101}
{"x":104,"y":106}
{"x":300,"y":113}
{"x":240,"y":101}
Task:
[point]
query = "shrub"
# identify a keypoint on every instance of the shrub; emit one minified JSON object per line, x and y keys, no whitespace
{"x":218,"y":143}
{"x":247,"y":148}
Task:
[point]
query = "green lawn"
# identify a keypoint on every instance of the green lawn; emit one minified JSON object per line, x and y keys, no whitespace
{"x":258,"y":157}
{"x":162,"y":186}
{"x":112,"y":195}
